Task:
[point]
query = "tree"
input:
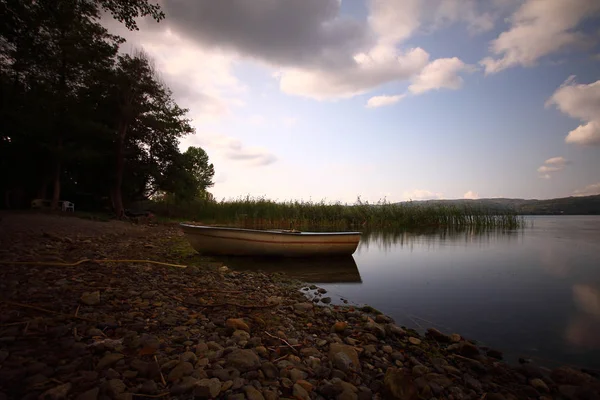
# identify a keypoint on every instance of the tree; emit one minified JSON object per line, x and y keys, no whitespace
{"x":96,"y":124}
{"x":196,"y":163}
{"x":147,"y":123}
{"x":53,"y":44}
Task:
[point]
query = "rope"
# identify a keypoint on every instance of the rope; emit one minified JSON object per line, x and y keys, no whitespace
{"x":57,"y":264}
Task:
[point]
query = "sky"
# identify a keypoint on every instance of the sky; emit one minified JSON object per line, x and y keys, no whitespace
{"x":396,"y":99}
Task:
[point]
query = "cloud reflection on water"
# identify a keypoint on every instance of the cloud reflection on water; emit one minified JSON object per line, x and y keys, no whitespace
{"x":584,"y":329}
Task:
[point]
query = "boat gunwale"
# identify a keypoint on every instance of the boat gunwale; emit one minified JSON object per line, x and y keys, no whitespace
{"x":269,"y":232}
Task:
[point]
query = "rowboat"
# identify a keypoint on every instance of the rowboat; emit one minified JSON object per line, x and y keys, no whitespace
{"x":213,"y":240}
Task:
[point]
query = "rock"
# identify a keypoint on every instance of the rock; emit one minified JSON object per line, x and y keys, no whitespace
{"x":349,"y":359}
{"x":569,"y":376}
{"x":399,"y":385}
{"x":439,"y":379}
{"x":377,"y":329}
{"x":188,"y":356}
{"x":321,"y":290}
{"x":208,"y":388}
{"x":468,"y":349}
{"x":95,"y":332}
{"x":473,"y":383}
{"x":91,"y":394}
{"x":326,"y":300}
{"x":114,"y":387}
{"x":236,"y":396}
{"x":252,"y":393}
{"x":539,"y":385}
{"x":414,"y":340}
{"x":270,"y":370}
{"x":149,"y":387}
{"x":437,"y":335}
{"x":305,"y":384}
{"x":300,"y":393}
{"x":296,"y":375}
{"x":419,"y":370}
{"x":244,"y":360}
{"x":455,"y":338}
{"x":240,"y":335}
{"x":58,"y":392}
{"x":339,"y":326}
{"x":201,"y":348}
{"x":387,"y":349}
{"x":394,"y":330}
{"x":347,"y":395}
{"x":186,"y":384}
{"x":109,"y":360}
{"x":90,"y":298}
{"x":225,"y":374}
{"x":182,"y":369}
{"x":237,"y":383}
{"x":495,"y":354}
{"x":237,"y":323}
{"x":192,"y":270}
{"x":149,"y":294}
{"x":270,"y":395}
{"x":112,"y":374}
{"x":303,"y":307}
{"x":261,"y":350}
{"x":342,"y":362}
{"x":310,"y":352}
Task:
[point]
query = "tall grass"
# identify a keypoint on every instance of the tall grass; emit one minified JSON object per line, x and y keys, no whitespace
{"x":264,"y":213}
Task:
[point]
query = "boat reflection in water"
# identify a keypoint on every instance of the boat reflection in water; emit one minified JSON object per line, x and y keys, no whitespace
{"x":342,"y":269}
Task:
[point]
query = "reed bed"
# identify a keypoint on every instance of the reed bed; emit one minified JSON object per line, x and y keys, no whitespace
{"x":265,"y":213}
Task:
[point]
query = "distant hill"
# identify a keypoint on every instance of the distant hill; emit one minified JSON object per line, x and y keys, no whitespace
{"x":585,"y":205}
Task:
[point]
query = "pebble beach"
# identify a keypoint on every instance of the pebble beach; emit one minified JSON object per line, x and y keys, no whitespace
{"x":116,"y":310}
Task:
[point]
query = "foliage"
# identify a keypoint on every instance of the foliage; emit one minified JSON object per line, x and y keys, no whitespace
{"x":100,"y":127}
{"x":260,"y":212}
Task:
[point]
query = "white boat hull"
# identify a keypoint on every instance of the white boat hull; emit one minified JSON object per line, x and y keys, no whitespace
{"x":212,"y":240}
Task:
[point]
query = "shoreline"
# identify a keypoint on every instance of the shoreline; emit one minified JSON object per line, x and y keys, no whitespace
{"x":126,"y":330}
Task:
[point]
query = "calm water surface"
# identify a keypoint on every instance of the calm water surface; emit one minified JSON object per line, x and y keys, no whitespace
{"x":532,"y":292}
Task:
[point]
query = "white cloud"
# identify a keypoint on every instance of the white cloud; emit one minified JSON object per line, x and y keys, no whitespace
{"x":289,"y":121}
{"x":391,"y":22}
{"x":551,"y":165}
{"x":257,"y":119}
{"x":471,"y":195}
{"x":539,"y":28}
{"x":450,"y":11}
{"x":589,"y":190}
{"x":440,"y":73}
{"x":582,"y":102}
{"x":382,"y":64}
{"x":379,"y":101}
{"x":420,"y":194}
{"x":231,"y":148}
{"x":201,"y":79}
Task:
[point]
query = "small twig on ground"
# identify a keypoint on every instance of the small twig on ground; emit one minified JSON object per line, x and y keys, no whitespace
{"x":14,"y":303}
{"x":280,"y":358}
{"x":77,"y":311}
{"x":14,"y":323}
{"x":283,"y":340}
{"x":162,"y":377}
{"x":213,"y":291}
{"x":152,"y":396}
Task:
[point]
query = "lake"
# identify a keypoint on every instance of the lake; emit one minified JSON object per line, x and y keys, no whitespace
{"x":532,"y":292}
